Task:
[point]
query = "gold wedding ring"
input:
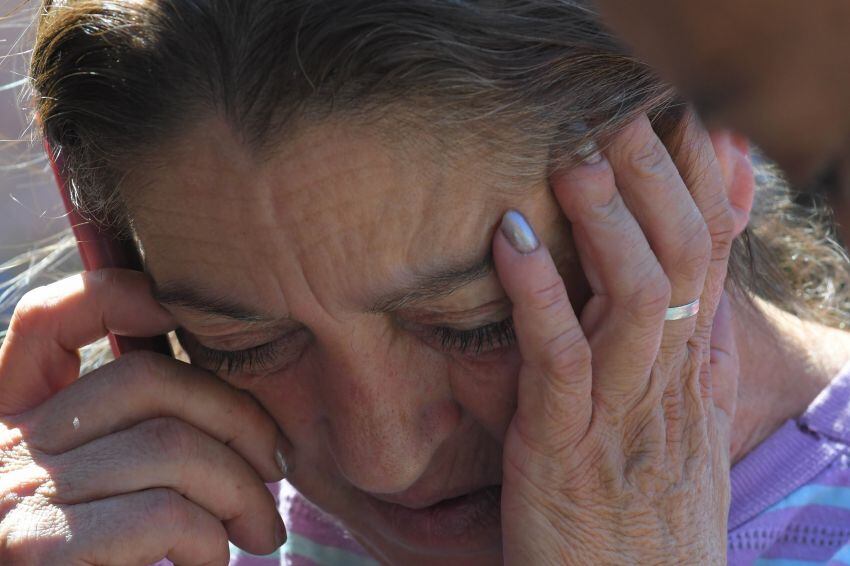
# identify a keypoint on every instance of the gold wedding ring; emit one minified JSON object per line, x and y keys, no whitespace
{"x":684,"y":311}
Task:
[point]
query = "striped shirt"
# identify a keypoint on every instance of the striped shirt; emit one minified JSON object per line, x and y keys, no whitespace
{"x":790,"y":500}
{"x":791,"y":495}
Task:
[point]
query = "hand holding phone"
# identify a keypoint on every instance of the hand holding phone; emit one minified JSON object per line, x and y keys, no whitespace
{"x":99,"y":249}
{"x":181,"y":457}
{"x":144,"y":458}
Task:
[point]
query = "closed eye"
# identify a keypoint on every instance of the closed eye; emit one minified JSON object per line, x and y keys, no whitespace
{"x":478,"y":340}
{"x":265,"y":358}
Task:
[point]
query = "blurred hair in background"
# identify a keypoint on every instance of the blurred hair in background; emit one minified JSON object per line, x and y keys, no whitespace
{"x":34,"y":244}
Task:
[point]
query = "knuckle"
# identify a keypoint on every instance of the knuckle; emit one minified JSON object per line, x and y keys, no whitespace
{"x":243,"y":408}
{"x":97,"y":279}
{"x":648,"y":158}
{"x":249,"y":419}
{"x":566,"y":354}
{"x":32,"y":311}
{"x":652,"y":299}
{"x":607,"y":208}
{"x":550,"y":297}
{"x":165,"y":507}
{"x":141,"y":364}
{"x":721,"y":227}
{"x":170,"y":438}
{"x":103,"y":283}
{"x":141,"y":373}
{"x":31,"y":300}
{"x":694,"y":251}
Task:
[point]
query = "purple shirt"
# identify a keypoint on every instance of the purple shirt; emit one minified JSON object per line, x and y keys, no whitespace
{"x":791,"y":495}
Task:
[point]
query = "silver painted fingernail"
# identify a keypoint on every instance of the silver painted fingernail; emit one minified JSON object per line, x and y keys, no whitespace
{"x":519,"y":232}
{"x":589,"y":153}
{"x":283,"y":457}
{"x":281,"y":463}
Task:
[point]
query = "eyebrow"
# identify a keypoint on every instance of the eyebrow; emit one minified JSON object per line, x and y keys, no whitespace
{"x":441,"y":282}
{"x":195,"y":298}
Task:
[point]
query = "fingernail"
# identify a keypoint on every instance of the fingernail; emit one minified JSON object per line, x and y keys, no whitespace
{"x":519,"y":232}
{"x":280,"y":532}
{"x":283,"y":457}
{"x":589,"y":153}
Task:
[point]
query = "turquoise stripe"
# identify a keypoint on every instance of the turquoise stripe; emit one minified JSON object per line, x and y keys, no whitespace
{"x":236,"y":552}
{"x":785,"y":562}
{"x":843,"y":555}
{"x":829,"y":495}
{"x":322,"y":554}
{"x":302,"y":546}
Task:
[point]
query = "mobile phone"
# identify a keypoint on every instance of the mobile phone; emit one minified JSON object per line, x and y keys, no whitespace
{"x":99,"y":249}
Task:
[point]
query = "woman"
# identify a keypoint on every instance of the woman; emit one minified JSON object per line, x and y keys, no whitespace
{"x":453,"y":284}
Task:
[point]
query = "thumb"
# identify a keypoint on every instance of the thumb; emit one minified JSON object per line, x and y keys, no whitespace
{"x":724,"y":367}
{"x":40,"y":353}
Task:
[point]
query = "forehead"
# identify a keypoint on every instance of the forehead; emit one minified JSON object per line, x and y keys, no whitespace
{"x":337,"y":210}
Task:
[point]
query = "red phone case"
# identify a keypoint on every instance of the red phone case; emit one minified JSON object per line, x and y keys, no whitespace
{"x":99,"y":249}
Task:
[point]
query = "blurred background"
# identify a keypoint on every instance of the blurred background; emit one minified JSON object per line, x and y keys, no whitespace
{"x":31,"y":213}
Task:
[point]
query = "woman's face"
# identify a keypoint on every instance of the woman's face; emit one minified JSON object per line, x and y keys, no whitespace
{"x":354,"y":279}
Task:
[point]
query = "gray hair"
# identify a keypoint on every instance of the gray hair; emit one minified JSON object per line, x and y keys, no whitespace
{"x":115,"y":82}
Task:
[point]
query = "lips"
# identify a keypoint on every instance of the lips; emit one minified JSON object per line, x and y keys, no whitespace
{"x":451,"y":519}
{"x":416,"y":501}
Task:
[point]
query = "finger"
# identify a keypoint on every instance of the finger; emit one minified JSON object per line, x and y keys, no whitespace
{"x":141,"y":528}
{"x":554,"y":401}
{"x":167,"y":452}
{"x":702,"y":173}
{"x":658,"y":198}
{"x":624,"y":319}
{"x":710,"y":392}
{"x":718,"y":389}
{"x":39,"y":355}
{"x":143,"y":385}
{"x":721,"y":382}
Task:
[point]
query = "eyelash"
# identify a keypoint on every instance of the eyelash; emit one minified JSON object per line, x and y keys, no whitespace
{"x":255,"y":359}
{"x":477,"y":340}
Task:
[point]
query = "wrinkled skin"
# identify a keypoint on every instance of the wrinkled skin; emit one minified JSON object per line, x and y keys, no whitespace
{"x":597,"y":429}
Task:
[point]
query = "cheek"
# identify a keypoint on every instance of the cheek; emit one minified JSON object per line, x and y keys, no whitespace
{"x":294,"y":406}
{"x":486,"y":389}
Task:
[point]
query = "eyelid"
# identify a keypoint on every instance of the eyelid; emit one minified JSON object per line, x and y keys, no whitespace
{"x":476,"y":340}
{"x":492,"y":311}
{"x":272,"y":355}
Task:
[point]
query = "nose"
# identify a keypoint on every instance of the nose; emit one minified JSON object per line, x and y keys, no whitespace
{"x":388,"y":407}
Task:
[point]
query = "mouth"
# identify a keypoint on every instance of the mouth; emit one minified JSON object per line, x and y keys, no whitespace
{"x":444,"y":521}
